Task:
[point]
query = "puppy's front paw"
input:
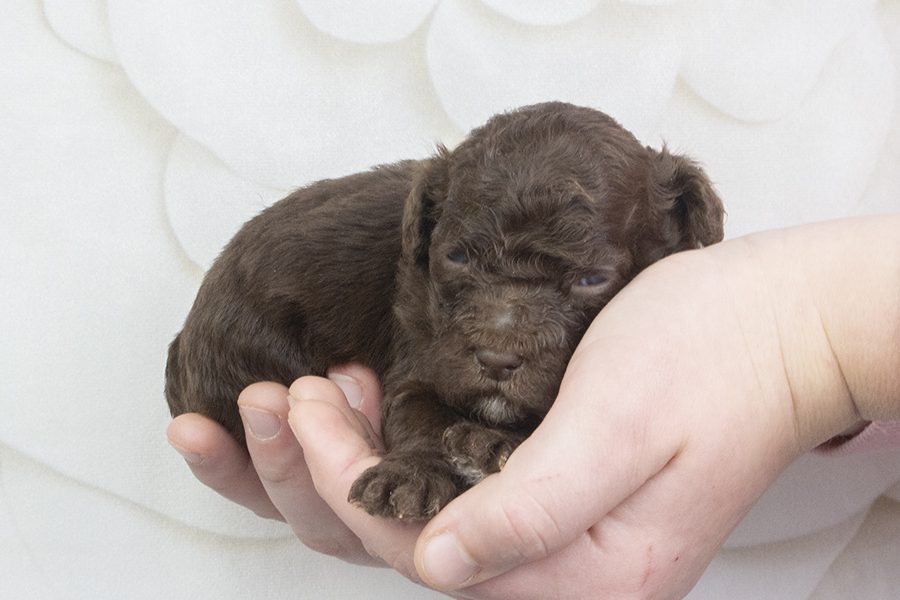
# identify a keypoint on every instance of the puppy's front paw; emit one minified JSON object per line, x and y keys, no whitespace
{"x":409,"y":487}
{"x":476,"y":451}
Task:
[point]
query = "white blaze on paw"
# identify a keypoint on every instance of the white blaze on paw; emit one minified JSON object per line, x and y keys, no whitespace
{"x":468,"y":472}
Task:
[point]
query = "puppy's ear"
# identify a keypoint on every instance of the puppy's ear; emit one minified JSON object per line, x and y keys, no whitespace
{"x":692,"y":213}
{"x":423,"y":207}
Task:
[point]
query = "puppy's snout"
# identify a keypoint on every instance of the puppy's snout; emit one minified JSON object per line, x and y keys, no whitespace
{"x":500,"y":316}
{"x":498,"y":365}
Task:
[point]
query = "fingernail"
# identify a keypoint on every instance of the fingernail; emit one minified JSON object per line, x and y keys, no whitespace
{"x":351,"y":388}
{"x":446,"y":564}
{"x":263,"y":425}
{"x":191,"y":458}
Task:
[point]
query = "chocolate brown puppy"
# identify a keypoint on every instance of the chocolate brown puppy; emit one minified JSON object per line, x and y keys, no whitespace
{"x":464,"y":280}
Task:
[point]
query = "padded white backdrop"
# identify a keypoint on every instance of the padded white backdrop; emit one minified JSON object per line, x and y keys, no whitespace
{"x":136,"y":137}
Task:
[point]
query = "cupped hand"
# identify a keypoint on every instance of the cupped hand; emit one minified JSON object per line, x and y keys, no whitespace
{"x":675,"y":414}
{"x":690,"y":392}
{"x":270,"y":477}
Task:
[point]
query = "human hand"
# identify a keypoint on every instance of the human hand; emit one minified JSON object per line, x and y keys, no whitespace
{"x":687,"y":396}
{"x":677,"y":411}
{"x":628,"y":495}
{"x":271,"y":477}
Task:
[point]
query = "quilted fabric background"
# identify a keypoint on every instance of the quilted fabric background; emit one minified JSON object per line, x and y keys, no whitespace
{"x":136,"y":137}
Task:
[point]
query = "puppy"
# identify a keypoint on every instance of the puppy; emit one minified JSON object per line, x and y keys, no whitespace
{"x":464,"y":280}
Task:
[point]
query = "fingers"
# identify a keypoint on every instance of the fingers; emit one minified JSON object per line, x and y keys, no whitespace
{"x":362,"y":390}
{"x":337,"y":450}
{"x":273,"y":480}
{"x":588,"y":455}
{"x":219,"y":462}
{"x":279,"y":462}
{"x":346,"y":389}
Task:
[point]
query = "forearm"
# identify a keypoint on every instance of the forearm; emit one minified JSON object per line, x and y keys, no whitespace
{"x":834,"y":291}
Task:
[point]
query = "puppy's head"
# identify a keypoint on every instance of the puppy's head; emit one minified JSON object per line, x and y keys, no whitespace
{"x":514,"y":241}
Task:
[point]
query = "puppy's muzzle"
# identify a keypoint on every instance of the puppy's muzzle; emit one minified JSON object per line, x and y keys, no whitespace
{"x":496,"y":359}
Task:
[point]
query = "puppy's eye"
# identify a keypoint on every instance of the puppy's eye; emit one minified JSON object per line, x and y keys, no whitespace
{"x":589,"y":285}
{"x":458,"y":257}
{"x":590,"y":280}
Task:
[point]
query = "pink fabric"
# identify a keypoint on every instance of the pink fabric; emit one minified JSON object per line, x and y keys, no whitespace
{"x":878,"y":435}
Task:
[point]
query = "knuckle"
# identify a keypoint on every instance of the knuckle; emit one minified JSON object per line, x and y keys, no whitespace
{"x":343,"y":545}
{"x":533,"y":530}
{"x":325,"y":545}
{"x":268,"y":512}
{"x":398,"y":559}
{"x":373,"y":551}
{"x":274,"y":474}
{"x":278,"y":468}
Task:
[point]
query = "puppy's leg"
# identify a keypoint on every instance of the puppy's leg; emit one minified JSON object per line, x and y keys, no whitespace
{"x":415,"y":479}
{"x":476,"y":450}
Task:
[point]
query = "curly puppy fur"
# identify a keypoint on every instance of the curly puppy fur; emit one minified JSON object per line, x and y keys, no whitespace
{"x":464,"y":280}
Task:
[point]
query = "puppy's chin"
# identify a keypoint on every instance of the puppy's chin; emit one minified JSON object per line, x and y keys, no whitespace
{"x":507,"y":404}
{"x":498,"y":410}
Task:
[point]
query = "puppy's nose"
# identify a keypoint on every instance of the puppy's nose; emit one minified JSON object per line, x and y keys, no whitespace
{"x":498,"y":365}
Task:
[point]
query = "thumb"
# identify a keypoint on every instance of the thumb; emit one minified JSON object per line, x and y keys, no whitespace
{"x":592,"y":451}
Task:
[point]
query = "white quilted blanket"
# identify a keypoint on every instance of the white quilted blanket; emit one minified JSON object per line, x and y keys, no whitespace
{"x":136,"y":137}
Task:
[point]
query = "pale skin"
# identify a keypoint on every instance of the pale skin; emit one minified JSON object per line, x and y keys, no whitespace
{"x":692,"y":390}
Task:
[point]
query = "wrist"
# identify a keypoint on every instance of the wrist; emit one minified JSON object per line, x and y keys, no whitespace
{"x":832,"y":291}
{"x":861,"y":311}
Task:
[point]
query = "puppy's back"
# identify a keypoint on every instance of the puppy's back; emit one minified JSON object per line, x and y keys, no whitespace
{"x":305,"y":285}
